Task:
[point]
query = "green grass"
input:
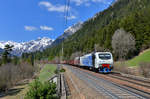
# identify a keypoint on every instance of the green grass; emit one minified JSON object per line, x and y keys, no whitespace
{"x":144,"y":57}
{"x":47,"y":72}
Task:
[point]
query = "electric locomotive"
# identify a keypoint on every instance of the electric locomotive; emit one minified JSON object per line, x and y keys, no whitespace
{"x":99,"y":61}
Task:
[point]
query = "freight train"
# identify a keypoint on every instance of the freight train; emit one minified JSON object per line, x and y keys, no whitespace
{"x":97,"y":61}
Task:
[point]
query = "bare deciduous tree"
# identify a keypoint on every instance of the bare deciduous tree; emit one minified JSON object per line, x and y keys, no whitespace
{"x":122,"y":43}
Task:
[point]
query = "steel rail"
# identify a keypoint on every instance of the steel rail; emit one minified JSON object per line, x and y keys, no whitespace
{"x":112,"y":89}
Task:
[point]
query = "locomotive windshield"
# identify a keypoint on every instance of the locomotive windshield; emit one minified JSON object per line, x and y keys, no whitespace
{"x":104,"y":56}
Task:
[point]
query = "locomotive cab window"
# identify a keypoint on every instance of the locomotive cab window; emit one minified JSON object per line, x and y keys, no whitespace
{"x":105,"y":56}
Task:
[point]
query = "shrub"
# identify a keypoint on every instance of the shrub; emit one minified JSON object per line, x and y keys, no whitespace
{"x":121,"y":67}
{"x":40,"y":90}
{"x":145,"y":69}
{"x":26,"y":70}
{"x":10,"y":74}
{"x":62,"y":70}
{"x":56,"y":71}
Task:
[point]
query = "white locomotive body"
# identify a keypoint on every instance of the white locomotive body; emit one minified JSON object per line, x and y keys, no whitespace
{"x":101,"y":61}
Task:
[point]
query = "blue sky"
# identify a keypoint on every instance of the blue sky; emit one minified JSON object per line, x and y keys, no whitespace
{"x":24,"y":20}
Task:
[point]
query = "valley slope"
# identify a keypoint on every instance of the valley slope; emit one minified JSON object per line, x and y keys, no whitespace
{"x":131,"y":15}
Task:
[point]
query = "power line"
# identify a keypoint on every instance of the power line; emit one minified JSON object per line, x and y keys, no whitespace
{"x":68,"y":7}
{"x":66,"y":11}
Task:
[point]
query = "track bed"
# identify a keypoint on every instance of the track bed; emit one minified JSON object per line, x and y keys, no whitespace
{"x":111,"y":86}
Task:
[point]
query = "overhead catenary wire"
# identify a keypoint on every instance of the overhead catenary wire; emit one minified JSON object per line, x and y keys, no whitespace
{"x":66,"y":13}
{"x":65,"y":9}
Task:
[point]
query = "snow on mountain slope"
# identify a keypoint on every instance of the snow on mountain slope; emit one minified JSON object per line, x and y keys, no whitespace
{"x":68,"y":32}
{"x":40,"y":43}
{"x":31,"y":46}
{"x":72,"y":29}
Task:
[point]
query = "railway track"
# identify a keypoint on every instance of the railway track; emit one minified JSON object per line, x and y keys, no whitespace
{"x":140,"y":83}
{"x":109,"y":88}
{"x":131,"y":80}
{"x":141,"y":79}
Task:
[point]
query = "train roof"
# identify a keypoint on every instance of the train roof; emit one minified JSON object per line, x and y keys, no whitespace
{"x":96,"y":53}
{"x":103,"y":52}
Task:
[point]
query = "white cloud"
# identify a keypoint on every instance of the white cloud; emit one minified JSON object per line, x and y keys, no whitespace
{"x":59,"y":8}
{"x":46,"y":4}
{"x":87,"y":2}
{"x":51,"y":7}
{"x":79,"y":2}
{"x":46,"y":28}
{"x":30,"y":28}
{"x":71,"y":17}
{"x":103,"y":1}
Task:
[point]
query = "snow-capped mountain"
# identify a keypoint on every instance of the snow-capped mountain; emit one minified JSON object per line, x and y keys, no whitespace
{"x":72,"y":29}
{"x":26,"y":47}
{"x":40,"y":43}
{"x":68,"y":32}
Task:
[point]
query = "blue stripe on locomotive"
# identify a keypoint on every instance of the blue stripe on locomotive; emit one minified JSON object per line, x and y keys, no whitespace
{"x":87,"y":61}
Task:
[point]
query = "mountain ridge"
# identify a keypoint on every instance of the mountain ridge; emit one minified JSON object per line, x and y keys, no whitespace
{"x":26,"y":47}
{"x":67,"y":32}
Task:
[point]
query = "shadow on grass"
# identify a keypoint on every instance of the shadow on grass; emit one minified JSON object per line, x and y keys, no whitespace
{"x":10,"y":92}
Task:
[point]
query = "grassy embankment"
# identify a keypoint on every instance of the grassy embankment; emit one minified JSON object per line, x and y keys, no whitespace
{"x":138,"y":66}
{"x":135,"y":62}
{"x":47,"y":72}
{"x":143,"y":57}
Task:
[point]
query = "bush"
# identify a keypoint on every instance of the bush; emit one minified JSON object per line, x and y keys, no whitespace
{"x":40,"y":90}
{"x":9,"y":75}
{"x":26,"y":70}
{"x":145,"y":69}
{"x":56,"y":71}
{"x":62,"y":70}
{"x":121,"y":67}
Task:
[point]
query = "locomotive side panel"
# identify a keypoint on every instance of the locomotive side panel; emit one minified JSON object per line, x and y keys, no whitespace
{"x":86,"y":60}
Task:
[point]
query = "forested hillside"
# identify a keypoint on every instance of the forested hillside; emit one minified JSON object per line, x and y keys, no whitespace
{"x":131,"y":15}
